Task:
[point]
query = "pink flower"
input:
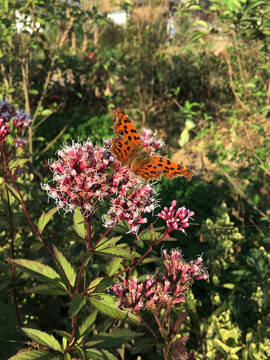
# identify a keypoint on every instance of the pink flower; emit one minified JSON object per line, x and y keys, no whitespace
{"x":151,"y":142}
{"x":85,"y":174}
{"x":164,"y":289}
{"x":176,"y":220}
{"x":4,"y":130}
{"x":21,"y":143}
{"x":10,"y":119}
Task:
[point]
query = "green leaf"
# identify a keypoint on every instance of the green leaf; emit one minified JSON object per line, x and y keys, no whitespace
{"x":196,"y":37}
{"x":190,"y":124}
{"x":64,"y":334}
{"x":39,"y":271}
{"x":87,"y":325}
{"x":43,"y":338}
{"x":114,"y":251}
{"x":46,"y":112}
{"x":94,"y":284}
{"x":33,"y":91}
{"x":94,"y":354}
{"x":67,"y":267}
{"x":229,"y":286}
{"x":45,"y":218}
{"x":5,"y":5}
{"x":104,"y":284}
{"x":114,"y":266}
{"x":184,"y":137}
{"x":105,"y":243}
{"x":35,"y":355}
{"x":107,"y":305}
{"x":79,"y":223}
{"x":46,"y":289}
{"x":13,"y":191}
{"x":17,"y":162}
{"x":202,"y":23}
{"x":77,"y":303}
{"x":114,"y":339}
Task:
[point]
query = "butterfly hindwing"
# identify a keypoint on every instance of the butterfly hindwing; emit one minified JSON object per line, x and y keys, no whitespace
{"x":171,"y":169}
{"x":122,"y":150}
{"x":148,"y":171}
{"x":124,"y":127}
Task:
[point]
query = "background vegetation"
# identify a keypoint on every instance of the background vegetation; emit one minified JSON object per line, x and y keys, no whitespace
{"x":206,"y":90}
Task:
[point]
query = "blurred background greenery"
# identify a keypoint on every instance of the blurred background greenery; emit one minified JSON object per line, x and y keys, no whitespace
{"x":199,"y":73}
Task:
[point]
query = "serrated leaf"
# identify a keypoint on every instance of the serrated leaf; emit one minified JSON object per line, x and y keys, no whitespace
{"x":107,"y":305}
{"x":148,"y":260}
{"x":104,"y":284}
{"x":114,"y":251}
{"x":13,"y":191}
{"x":67,"y":267}
{"x":105,"y":243}
{"x":87,"y":325}
{"x":45,"y":218}
{"x":39,"y":271}
{"x":35,"y":355}
{"x":94,"y":354}
{"x":114,"y":266}
{"x":46,"y":289}
{"x":42,"y":338}
{"x":79,"y":223}
{"x":114,"y":339}
{"x":94,"y":284}
{"x":77,"y":303}
{"x":62,"y":333}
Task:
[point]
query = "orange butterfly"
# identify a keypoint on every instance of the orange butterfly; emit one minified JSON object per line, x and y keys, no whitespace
{"x":128,"y":149}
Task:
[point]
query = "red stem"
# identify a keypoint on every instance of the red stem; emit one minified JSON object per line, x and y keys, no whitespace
{"x":13,"y":257}
{"x":99,"y":240}
{"x":73,"y":331}
{"x":151,"y":247}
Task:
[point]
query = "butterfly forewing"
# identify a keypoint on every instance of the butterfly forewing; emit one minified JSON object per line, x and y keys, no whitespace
{"x":171,"y":169}
{"x":122,"y":150}
{"x":124,"y":127}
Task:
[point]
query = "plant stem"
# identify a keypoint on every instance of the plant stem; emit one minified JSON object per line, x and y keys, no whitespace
{"x":102,"y":237}
{"x":151,"y":247}
{"x":13,"y":257}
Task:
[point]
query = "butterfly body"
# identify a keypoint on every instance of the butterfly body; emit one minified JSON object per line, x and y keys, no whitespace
{"x":128,"y":149}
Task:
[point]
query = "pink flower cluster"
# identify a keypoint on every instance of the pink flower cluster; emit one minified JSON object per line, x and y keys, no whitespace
{"x":162,"y":290}
{"x":176,"y":220}
{"x":84,"y":175}
{"x":11,"y":117}
{"x":151,"y":142}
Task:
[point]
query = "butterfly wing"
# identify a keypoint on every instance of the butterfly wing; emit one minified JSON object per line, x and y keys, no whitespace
{"x":122,"y":150}
{"x":171,"y":169}
{"x":149,"y":171}
{"x":124,"y":127}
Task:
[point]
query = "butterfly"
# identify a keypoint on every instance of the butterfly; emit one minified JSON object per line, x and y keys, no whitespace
{"x":128,"y":149}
